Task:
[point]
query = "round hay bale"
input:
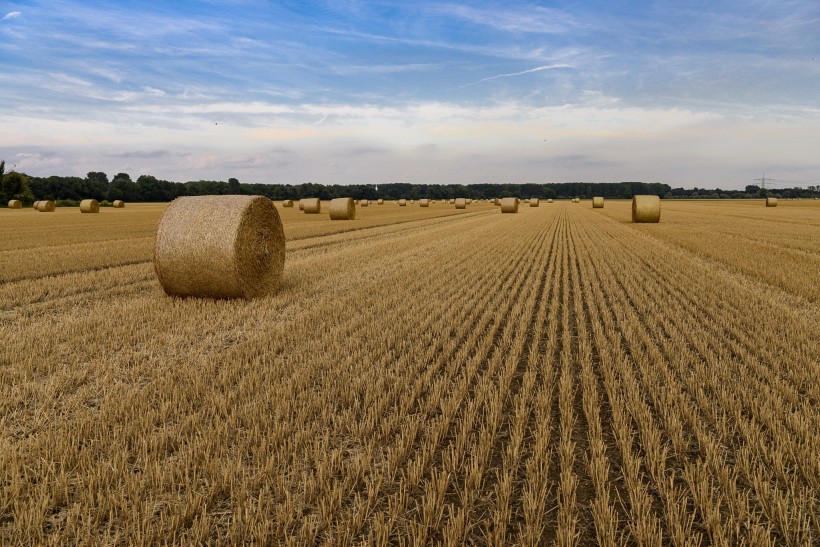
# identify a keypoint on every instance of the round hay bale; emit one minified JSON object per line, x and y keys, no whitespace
{"x":15,"y":204}
{"x":451,"y":201}
{"x":646,"y":209}
{"x":402,"y":203}
{"x":287,"y":203}
{"x":576,"y":200}
{"x":771,"y":202}
{"x":461,"y":203}
{"x":549,"y":200}
{"x":342,"y":209}
{"x":509,"y":205}
{"x":424,"y":203}
{"x":597,"y":202}
{"x":469,"y":201}
{"x":535,"y":202}
{"x":311,"y":206}
{"x":412,"y":202}
{"x":34,"y":205}
{"x":364,"y":202}
{"x":380,"y":202}
{"x":496,"y":201}
{"x":45,"y":206}
{"x":220,"y":247}
{"x":118,"y":203}
{"x":89,"y":206}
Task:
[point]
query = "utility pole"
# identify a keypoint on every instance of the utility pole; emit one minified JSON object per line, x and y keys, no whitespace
{"x":763,"y":181}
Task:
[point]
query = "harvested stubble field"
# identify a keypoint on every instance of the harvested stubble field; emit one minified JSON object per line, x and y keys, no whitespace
{"x":422,"y":375}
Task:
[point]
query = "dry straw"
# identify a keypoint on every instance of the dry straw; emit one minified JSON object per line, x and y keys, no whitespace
{"x":576,"y":200}
{"x":311,"y":206}
{"x":46,"y":206}
{"x":424,"y":203}
{"x":402,"y":202}
{"x":452,"y":201}
{"x":509,"y":205}
{"x":598,"y":202}
{"x":89,"y":206}
{"x":496,"y":201}
{"x":461,"y":203}
{"x":287,"y":203}
{"x":34,"y":205}
{"x":469,"y":201}
{"x":342,"y":209}
{"x":364,"y":202}
{"x":118,"y":203}
{"x":646,"y":209}
{"x":220,"y":247}
{"x":380,"y":202}
{"x":15,"y":204}
{"x":535,"y":202}
{"x":771,"y":202}
{"x":549,"y":200}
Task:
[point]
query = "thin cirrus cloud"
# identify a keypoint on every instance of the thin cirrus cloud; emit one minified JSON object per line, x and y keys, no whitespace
{"x":469,"y":91}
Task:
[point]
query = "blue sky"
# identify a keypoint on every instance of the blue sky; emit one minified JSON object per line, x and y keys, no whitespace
{"x":688,"y":93}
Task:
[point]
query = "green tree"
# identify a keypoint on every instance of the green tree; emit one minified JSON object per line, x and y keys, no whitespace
{"x":14,"y":185}
{"x":122,"y":187}
{"x":234,"y":186}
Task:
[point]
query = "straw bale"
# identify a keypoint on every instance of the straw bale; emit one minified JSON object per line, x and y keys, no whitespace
{"x":461,"y":203}
{"x":535,"y":202}
{"x":311,"y":206}
{"x":364,"y":202}
{"x":46,"y":206}
{"x":451,"y":201}
{"x":118,"y":203}
{"x":771,"y":202}
{"x":402,"y":202}
{"x":549,"y":200}
{"x":89,"y":206}
{"x":342,"y":209}
{"x":496,"y":201}
{"x":646,"y":209}
{"x":597,"y":202}
{"x":34,"y":205}
{"x":509,"y":205}
{"x":469,"y":201}
{"x":220,"y":247}
{"x":15,"y":204}
{"x":301,"y":205}
{"x":380,"y":202}
{"x":287,"y":203}
{"x":424,"y":203}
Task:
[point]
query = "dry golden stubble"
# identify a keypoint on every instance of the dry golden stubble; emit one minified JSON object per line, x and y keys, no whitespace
{"x":342,"y":209}
{"x":89,"y":206}
{"x":598,"y":202}
{"x":646,"y":209}
{"x":509,"y":205}
{"x":15,"y":204}
{"x":118,"y":203}
{"x":46,"y":206}
{"x":220,"y":247}
{"x":311,"y":206}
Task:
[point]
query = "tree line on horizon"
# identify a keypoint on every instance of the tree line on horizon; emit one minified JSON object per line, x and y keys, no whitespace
{"x":96,"y":185}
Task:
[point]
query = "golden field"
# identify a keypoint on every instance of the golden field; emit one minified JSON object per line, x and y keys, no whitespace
{"x":422,"y":376}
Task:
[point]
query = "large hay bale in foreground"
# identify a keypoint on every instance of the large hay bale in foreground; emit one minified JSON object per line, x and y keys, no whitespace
{"x":535,"y":202}
{"x":771,"y":202}
{"x":509,"y":205}
{"x":311,"y":206}
{"x":118,"y":203}
{"x":45,"y":206}
{"x":220,"y":247}
{"x":342,"y":209}
{"x":597,"y":202}
{"x":287,"y":203}
{"x":380,"y":202}
{"x":646,"y":209}
{"x":89,"y":206}
{"x":461,"y":203}
{"x":402,"y":203}
{"x":424,"y":203}
{"x":15,"y":204}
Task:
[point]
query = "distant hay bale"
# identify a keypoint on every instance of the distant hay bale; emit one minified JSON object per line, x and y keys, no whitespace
{"x":15,"y":204}
{"x":311,"y":206}
{"x":287,"y":203}
{"x":597,"y":202}
{"x":364,"y":202}
{"x":509,"y":205}
{"x":380,"y":202}
{"x":402,"y":202}
{"x":34,"y":205}
{"x":451,"y":201}
{"x":496,"y":201}
{"x":646,"y":209}
{"x":118,"y":203}
{"x":342,"y":209}
{"x":549,"y":200}
{"x":576,"y":200}
{"x":771,"y":202}
{"x":45,"y":206}
{"x":424,"y":203}
{"x":461,"y":203}
{"x":89,"y":206}
{"x":469,"y":201}
{"x":412,"y":202}
{"x":535,"y":202}
{"x":220,"y":247}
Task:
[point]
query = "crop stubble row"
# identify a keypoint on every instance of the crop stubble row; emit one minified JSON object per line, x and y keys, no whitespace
{"x":518,"y":378}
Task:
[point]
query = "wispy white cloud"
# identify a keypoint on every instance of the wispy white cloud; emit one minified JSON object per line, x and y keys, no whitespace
{"x":524,"y":19}
{"x":11,"y":15}
{"x":522,"y":72}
